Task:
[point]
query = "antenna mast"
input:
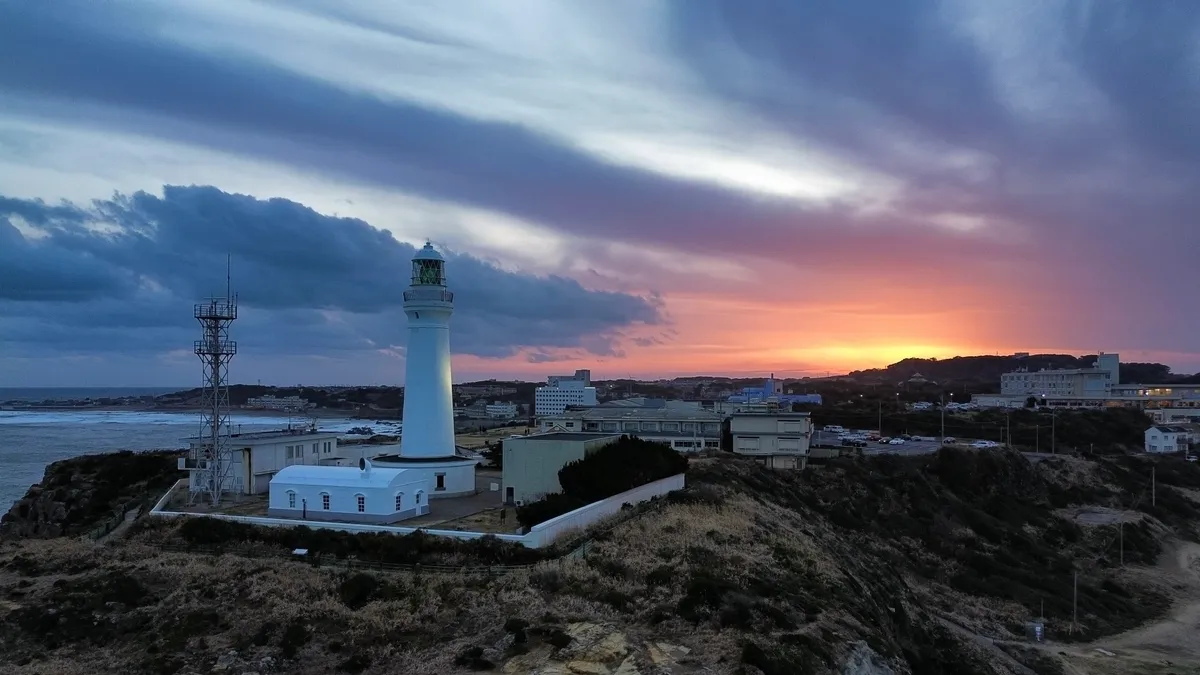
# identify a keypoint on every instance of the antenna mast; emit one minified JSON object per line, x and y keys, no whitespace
{"x":212,"y":459}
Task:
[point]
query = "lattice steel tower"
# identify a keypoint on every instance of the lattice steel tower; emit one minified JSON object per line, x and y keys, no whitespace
{"x":212,"y":455}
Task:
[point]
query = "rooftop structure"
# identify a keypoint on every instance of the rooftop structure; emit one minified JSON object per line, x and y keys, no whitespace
{"x":686,"y":430}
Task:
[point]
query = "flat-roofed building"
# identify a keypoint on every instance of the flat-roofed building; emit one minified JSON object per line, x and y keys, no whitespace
{"x":776,"y":440}
{"x":531,"y":463}
{"x":686,"y":429}
{"x":259,"y":455}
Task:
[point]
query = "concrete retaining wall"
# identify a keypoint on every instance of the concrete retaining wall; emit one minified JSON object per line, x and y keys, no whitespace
{"x":539,"y":535}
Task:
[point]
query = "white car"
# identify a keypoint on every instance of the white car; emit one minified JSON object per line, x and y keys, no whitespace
{"x":896,"y":441}
{"x":1190,"y":458}
{"x":985,"y":444}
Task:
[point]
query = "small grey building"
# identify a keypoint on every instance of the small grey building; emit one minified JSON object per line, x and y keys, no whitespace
{"x":531,"y":463}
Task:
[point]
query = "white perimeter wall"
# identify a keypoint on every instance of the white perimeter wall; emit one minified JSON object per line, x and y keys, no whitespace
{"x":540,"y":535}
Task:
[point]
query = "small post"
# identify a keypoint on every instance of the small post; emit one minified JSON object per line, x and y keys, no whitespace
{"x":1153,"y":487}
{"x":1121,"y":531}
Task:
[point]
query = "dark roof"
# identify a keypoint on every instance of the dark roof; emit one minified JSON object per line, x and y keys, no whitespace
{"x":1172,"y":428}
{"x":569,"y":436}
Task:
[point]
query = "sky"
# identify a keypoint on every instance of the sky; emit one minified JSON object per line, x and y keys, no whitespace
{"x":645,"y":188}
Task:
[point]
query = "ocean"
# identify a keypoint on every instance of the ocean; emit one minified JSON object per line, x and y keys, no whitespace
{"x":29,"y":440}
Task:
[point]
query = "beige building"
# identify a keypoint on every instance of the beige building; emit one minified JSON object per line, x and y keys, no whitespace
{"x":531,"y":463}
{"x":686,"y":429}
{"x":777,"y":440}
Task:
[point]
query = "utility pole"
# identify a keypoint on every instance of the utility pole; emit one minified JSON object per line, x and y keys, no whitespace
{"x":881,"y":417}
{"x":1008,"y":427}
{"x":1121,"y":530}
{"x":1153,"y":487}
{"x":1075,"y":604}
{"x":1053,"y":435}
{"x":1037,"y":438}
{"x":942,"y":405}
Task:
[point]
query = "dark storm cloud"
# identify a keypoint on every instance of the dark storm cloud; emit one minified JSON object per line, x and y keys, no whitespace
{"x":248,"y":107}
{"x":125,"y":272}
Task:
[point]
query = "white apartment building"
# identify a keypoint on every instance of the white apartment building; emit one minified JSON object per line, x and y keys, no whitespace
{"x":499,"y":410}
{"x":564,"y":390}
{"x":685,"y":430}
{"x":778,"y":440}
{"x":1095,"y":382}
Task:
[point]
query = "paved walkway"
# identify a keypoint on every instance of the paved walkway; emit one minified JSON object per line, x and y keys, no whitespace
{"x":453,"y":508}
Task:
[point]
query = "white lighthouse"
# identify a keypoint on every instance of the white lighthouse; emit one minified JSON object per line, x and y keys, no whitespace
{"x":428,"y":401}
{"x":427,"y":436}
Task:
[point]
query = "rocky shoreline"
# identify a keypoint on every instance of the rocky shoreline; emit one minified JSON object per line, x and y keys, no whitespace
{"x":81,"y":493}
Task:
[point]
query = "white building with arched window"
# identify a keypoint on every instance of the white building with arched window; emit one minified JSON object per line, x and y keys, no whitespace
{"x":362,"y":494}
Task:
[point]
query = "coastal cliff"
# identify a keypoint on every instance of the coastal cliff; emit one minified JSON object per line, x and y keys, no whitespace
{"x":869,"y":566}
{"x":81,"y":493}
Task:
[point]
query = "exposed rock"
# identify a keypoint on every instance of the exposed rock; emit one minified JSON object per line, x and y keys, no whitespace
{"x":587,"y":668}
{"x":863,"y":660}
{"x":611,"y":648}
{"x":628,"y":667}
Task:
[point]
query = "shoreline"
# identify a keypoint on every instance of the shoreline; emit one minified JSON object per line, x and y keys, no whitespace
{"x":183,"y":410}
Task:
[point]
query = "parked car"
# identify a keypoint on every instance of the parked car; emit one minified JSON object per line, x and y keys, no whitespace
{"x":1190,"y":458}
{"x":885,"y":440}
{"x":949,"y":440}
{"x":896,"y":441}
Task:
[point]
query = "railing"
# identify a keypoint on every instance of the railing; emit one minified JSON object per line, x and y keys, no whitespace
{"x":216,"y":309}
{"x":428,"y":294}
{"x":216,"y":347}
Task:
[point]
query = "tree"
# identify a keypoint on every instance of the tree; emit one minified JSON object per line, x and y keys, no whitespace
{"x":494,"y":454}
{"x":1031,"y":402}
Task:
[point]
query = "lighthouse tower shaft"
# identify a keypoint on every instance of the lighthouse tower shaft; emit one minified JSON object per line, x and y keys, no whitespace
{"x":428,"y":401}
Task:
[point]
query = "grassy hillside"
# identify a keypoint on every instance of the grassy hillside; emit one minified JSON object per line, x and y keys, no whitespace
{"x":883,"y":562}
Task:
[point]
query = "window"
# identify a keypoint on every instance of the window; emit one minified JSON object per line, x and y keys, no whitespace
{"x":362,"y":503}
{"x":418,"y":500}
{"x":290,"y":452}
{"x":439,"y":481}
{"x":291,"y":499}
{"x":324,"y":501}
{"x":314,"y":448}
{"x":399,"y":501}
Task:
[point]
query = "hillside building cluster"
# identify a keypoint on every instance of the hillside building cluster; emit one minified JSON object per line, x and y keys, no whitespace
{"x":1096,"y":387}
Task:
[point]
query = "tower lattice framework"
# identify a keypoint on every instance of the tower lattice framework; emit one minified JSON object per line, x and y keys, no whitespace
{"x":213,"y":455}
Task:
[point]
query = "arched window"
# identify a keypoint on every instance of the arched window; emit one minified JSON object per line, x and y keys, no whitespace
{"x":291,"y":499}
{"x":419,"y":494}
{"x":399,"y":501}
{"x":362,"y":503}
{"x":324,"y":501}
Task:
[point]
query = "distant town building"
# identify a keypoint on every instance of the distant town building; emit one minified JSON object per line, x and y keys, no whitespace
{"x":1094,"y":387}
{"x":270,"y":402}
{"x":778,"y":441}
{"x":499,"y":410}
{"x":685,"y":430}
{"x":564,"y":390}
{"x":772,"y":391}
{"x":1095,"y":382}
